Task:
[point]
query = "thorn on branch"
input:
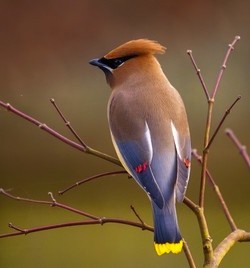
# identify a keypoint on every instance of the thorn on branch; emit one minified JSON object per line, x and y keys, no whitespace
{"x":42,"y":126}
{"x":52,"y":198}
{"x":102,"y":220}
{"x":196,"y":155}
{"x":8,"y":106}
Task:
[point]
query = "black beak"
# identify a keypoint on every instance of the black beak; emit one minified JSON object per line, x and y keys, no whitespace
{"x":102,"y":65}
{"x":96,"y":62}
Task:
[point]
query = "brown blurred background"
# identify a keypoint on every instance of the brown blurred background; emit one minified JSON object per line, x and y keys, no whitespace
{"x":45,"y":47}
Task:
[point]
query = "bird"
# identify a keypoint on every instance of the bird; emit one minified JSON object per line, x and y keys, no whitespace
{"x":150,"y":132}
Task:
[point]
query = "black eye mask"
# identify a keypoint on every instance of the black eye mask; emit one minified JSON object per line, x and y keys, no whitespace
{"x":115,"y":63}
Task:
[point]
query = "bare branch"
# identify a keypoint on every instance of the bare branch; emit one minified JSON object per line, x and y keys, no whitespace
{"x":208,"y":124}
{"x":223,"y":67}
{"x":59,"y":136}
{"x":67,"y":123}
{"x":198,"y":72}
{"x":223,"y":248}
{"x":221,"y":122}
{"x":190,"y":204}
{"x":207,"y":246}
{"x":92,"y":178}
{"x":53,"y":203}
{"x":100,"y":221}
{"x":188,"y":255}
{"x":137,"y":215}
{"x":94,"y":220}
{"x":206,"y":239}
{"x":205,"y":153}
{"x":16,"y":228}
{"x":241,"y":148}
{"x":218,"y":193}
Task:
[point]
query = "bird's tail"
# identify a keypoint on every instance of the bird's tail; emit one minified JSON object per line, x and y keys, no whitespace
{"x":167,"y":236}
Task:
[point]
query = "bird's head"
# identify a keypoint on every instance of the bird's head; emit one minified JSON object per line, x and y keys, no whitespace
{"x":128,"y":58}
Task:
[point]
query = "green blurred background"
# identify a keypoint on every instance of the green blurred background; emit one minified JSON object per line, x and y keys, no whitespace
{"x":44,"y":52}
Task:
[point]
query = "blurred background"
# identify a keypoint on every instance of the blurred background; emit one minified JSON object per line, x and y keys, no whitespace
{"x":44,"y":50}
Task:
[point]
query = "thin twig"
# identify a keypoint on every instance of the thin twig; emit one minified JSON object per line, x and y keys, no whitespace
{"x":100,"y":221}
{"x":205,"y":153}
{"x":223,"y":66}
{"x":190,"y":204}
{"x":137,"y":215}
{"x":206,"y":239}
{"x":91,"y":178}
{"x":10,"y":225}
{"x":227,"y":112}
{"x":198,"y":72}
{"x":67,"y":123}
{"x":57,"y":135}
{"x":188,"y":255}
{"x":94,"y":220}
{"x":54,"y":203}
{"x":207,"y":243}
{"x":226,"y":211}
{"x":242,"y":148}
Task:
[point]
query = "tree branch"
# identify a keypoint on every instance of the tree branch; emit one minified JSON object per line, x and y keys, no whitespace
{"x":223,"y":248}
{"x":242,"y":148}
{"x":90,"y":179}
{"x":67,"y":123}
{"x":222,"y":121}
{"x":100,"y":221}
{"x":188,"y":255}
{"x":207,"y":242}
{"x":224,"y":65}
{"x":53,"y":203}
{"x":198,"y":72}
{"x":218,"y":193}
{"x":62,"y":138}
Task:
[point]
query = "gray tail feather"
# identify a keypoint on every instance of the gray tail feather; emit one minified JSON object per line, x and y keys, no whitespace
{"x":166,"y":229}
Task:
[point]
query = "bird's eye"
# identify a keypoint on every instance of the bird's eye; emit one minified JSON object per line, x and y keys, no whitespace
{"x":117,"y":62}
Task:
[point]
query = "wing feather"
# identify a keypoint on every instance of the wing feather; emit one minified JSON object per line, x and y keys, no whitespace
{"x":183,"y":148}
{"x":139,"y":153}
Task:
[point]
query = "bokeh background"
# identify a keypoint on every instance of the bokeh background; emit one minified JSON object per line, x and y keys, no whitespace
{"x":45,"y":47}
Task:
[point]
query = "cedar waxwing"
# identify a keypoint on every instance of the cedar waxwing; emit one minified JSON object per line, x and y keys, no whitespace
{"x":150,"y":133}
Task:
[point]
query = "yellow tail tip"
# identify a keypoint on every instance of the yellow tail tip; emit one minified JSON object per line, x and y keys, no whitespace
{"x":169,"y":247}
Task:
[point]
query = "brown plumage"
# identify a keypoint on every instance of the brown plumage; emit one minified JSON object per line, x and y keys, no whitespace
{"x":150,"y":133}
{"x":136,"y":47}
